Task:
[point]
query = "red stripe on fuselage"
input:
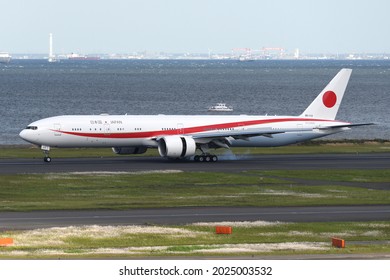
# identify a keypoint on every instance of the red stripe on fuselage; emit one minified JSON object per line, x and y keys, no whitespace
{"x":189,"y":130}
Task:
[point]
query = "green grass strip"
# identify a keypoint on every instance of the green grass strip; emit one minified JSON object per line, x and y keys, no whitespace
{"x":132,"y":190}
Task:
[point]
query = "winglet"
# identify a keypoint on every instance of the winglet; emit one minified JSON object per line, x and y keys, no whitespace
{"x":327,"y":103}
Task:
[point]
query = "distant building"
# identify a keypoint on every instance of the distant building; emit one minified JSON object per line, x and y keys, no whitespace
{"x":5,"y":57}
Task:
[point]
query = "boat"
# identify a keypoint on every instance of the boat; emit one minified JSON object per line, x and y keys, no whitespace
{"x":5,"y":57}
{"x":220,"y":107}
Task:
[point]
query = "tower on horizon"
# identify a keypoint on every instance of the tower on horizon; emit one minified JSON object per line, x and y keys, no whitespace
{"x":52,"y":57}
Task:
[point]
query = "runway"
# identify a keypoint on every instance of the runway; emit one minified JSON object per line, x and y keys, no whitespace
{"x":188,"y":215}
{"x":225,"y":164}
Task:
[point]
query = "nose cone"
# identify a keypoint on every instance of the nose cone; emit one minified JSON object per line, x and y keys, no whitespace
{"x":23,"y":134}
{"x":27,"y":135}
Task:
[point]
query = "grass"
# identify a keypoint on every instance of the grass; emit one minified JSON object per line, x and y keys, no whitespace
{"x":248,"y":239}
{"x":29,"y":192}
{"x":362,"y":176}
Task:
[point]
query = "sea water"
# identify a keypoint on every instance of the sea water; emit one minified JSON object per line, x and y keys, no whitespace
{"x":36,"y":89}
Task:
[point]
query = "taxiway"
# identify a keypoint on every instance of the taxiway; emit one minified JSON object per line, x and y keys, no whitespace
{"x":188,"y":215}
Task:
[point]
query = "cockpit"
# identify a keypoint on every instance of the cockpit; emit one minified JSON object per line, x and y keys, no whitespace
{"x":30,"y":133}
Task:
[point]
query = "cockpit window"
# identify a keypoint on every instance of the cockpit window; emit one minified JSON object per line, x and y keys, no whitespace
{"x":32,"y":127}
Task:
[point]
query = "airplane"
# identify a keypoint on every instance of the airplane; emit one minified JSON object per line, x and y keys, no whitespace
{"x":181,"y":136}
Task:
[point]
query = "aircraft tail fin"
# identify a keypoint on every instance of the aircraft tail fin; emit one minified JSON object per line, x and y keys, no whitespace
{"x":327,"y":103}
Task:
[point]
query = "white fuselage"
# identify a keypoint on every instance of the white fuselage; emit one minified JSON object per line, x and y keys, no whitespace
{"x":143,"y":130}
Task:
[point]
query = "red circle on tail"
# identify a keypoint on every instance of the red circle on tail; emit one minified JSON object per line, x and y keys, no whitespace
{"x":329,"y":99}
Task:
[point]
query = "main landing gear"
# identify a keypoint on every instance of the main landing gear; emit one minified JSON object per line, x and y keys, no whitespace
{"x":206,"y":158}
{"x":46,"y":150}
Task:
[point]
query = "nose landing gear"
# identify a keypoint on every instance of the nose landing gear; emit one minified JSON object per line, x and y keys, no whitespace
{"x":46,"y":150}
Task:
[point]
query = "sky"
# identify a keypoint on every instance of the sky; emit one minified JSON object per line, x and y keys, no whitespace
{"x":195,"y":26}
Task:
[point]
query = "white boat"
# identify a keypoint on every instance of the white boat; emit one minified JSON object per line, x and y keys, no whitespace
{"x":4,"y":57}
{"x":220,"y":107}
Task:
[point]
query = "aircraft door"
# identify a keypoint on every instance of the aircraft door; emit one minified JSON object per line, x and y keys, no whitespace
{"x":106,"y":128}
{"x":180,"y":128}
{"x":299,"y":126}
{"x":241,"y":126}
{"x":57,"y":129}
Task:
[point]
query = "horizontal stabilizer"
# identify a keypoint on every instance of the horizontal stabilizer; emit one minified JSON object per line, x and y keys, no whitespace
{"x":346,"y":125}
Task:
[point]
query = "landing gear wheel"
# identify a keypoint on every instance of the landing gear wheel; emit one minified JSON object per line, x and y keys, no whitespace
{"x":47,"y":159}
{"x":206,"y":158}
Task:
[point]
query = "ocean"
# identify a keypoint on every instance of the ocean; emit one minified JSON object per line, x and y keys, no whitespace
{"x":35,"y":89}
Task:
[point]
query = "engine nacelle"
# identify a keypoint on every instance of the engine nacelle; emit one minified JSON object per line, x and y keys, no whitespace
{"x":176,"y":146}
{"x":129,"y":150}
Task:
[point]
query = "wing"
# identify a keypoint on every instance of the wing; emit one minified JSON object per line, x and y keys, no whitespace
{"x":220,"y":137}
{"x":246,"y":133}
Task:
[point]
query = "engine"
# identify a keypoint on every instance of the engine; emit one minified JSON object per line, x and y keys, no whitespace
{"x":129,"y":150}
{"x":176,"y":146}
